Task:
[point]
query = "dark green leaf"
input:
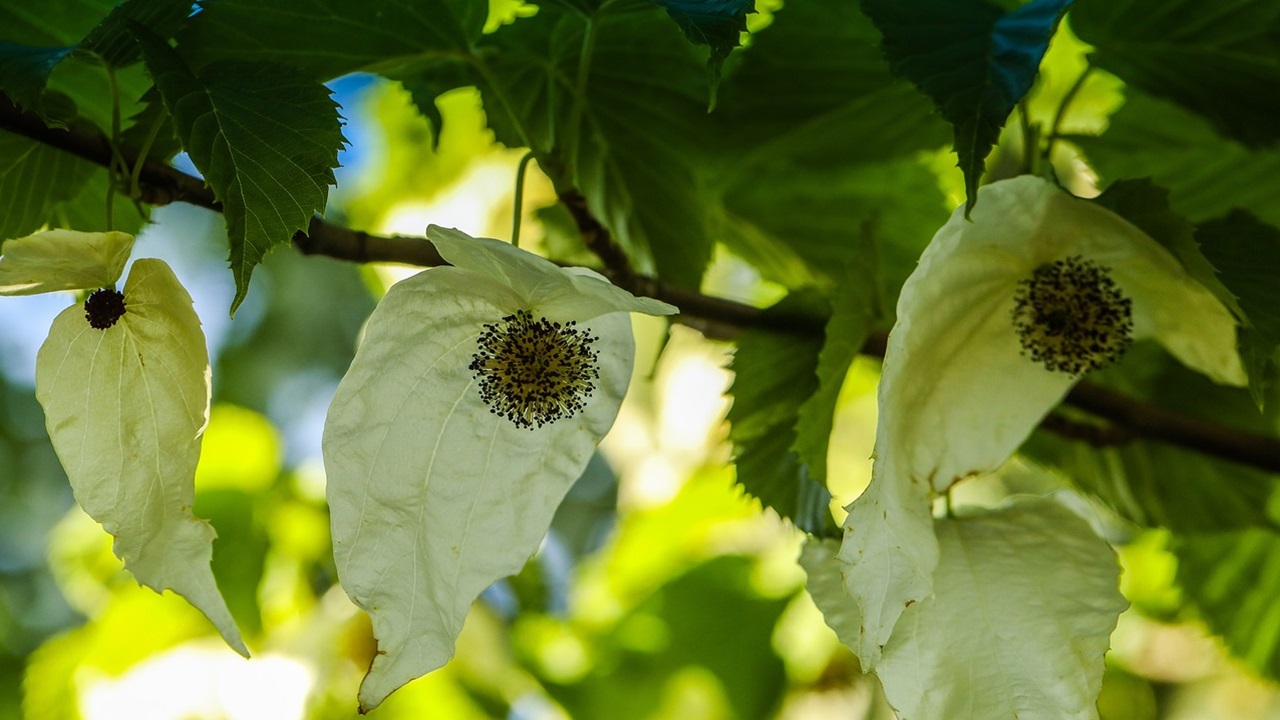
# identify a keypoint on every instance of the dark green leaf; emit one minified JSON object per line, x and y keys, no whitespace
{"x":718,"y":24}
{"x":1153,"y":483}
{"x":265,"y":138}
{"x":854,"y":310}
{"x":1207,"y":175}
{"x":111,"y":40}
{"x":1146,"y":206}
{"x":25,"y":70}
{"x":33,"y":179}
{"x":1246,"y":253}
{"x":972,"y":59}
{"x":633,"y":150}
{"x":1234,"y":580}
{"x":773,"y":376}
{"x":327,"y":38}
{"x":1218,"y":59}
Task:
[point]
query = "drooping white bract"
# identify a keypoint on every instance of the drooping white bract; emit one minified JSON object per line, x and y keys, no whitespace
{"x":475,"y":400}
{"x":1025,"y":598}
{"x":992,"y":306}
{"x":124,"y":382}
{"x":55,"y":260}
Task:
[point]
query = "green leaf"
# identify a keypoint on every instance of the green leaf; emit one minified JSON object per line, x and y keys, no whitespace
{"x":1233,"y":579}
{"x":1026,"y":598}
{"x":1206,"y":174}
{"x":1246,"y":253}
{"x":773,"y":376}
{"x":112,"y":40}
{"x":854,"y":309}
{"x":972,"y":59}
{"x":641,"y":184}
{"x":1211,"y":58}
{"x":1146,"y":206}
{"x":1157,"y":484}
{"x":33,"y":179}
{"x":434,"y":492}
{"x":63,"y":260}
{"x":718,"y":24}
{"x":125,"y":408}
{"x":332,"y":37}
{"x":25,"y":71}
{"x":795,"y":175}
{"x":265,"y":139}
{"x":88,"y":209}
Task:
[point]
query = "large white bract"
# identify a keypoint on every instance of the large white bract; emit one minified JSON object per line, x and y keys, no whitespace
{"x":1002,"y":316}
{"x":474,"y":402}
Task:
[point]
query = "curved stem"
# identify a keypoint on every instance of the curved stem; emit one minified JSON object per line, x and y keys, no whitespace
{"x":517,"y":214}
{"x":1058,"y":117}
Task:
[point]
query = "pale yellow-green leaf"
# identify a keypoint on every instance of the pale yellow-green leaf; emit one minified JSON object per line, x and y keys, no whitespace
{"x":1024,"y":602}
{"x":537,"y":282}
{"x":125,"y":408}
{"x":63,"y":260}
{"x":433,"y":497}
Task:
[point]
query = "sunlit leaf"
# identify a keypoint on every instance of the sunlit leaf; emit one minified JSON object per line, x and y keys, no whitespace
{"x":266,"y":139}
{"x":1211,"y":58}
{"x":125,"y":407}
{"x":825,"y":584}
{"x":62,"y":260}
{"x":435,"y":493}
{"x":974,"y":61}
{"x":1206,"y":174}
{"x":1026,"y":598}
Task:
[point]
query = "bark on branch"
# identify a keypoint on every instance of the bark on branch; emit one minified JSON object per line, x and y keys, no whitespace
{"x":1129,"y":418}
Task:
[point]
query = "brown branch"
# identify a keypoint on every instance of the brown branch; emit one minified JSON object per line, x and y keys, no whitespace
{"x":1130,"y":419}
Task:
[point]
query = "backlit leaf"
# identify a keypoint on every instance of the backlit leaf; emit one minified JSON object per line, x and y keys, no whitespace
{"x":125,"y":407}
{"x":62,"y":260}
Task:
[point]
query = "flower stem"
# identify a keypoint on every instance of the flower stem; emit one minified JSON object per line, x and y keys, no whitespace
{"x":517,"y":214}
{"x":1055,"y":129}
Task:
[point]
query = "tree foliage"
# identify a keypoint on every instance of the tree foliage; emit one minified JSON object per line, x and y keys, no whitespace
{"x":1100,"y":307}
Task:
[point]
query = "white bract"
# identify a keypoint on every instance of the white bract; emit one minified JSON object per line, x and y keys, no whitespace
{"x":63,"y":260}
{"x":1025,"y":599}
{"x":1001,"y":317}
{"x":125,"y":390}
{"x":475,"y":400}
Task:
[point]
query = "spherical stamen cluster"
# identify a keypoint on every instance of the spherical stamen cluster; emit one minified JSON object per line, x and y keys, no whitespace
{"x":103,"y":308}
{"x":534,"y":372}
{"x":1071,"y":317}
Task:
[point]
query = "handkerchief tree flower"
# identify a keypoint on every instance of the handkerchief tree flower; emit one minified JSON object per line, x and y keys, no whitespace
{"x":1005,"y":312}
{"x":475,"y":400}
